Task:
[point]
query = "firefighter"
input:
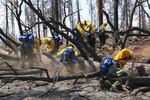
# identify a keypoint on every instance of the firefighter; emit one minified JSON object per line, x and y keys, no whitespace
{"x":52,"y":44}
{"x":84,"y":27}
{"x":68,"y":55}
{"x":113,"y":68}
{"x":91,"y":39}
{"x":102,"y":36}
{"x":87,"y":32}
{"x":26,"y":49}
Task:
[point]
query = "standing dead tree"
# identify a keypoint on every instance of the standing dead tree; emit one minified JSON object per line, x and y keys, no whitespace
{"x":17,"y":13}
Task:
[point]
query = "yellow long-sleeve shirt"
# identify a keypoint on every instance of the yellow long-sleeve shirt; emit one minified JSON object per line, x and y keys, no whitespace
{"x":37,"y":45}
{"x":63,"y":50}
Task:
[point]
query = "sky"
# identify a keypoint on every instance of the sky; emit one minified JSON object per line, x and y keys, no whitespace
{"x":85,"y":10}
{"x":2,"y":14}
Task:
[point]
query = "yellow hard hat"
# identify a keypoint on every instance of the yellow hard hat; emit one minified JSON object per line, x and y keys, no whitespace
{"x":105,"y":24}
{"x":46,"y":39}
{"x":89,"y":23}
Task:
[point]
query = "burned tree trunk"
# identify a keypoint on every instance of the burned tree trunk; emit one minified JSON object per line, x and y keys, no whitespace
{"x":116,"y":14}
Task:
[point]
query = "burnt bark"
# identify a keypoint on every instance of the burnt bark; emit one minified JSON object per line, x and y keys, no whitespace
{"x":116,"y":14}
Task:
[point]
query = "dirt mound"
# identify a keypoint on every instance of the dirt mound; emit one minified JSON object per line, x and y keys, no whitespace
{"x":142,"y":50}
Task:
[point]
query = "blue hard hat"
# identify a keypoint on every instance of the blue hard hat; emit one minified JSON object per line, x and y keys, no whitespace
{"x":29,"y":34}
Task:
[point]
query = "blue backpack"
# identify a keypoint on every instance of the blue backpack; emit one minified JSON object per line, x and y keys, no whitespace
{"x":29,"y":38}
{"x":89,"y":35}
{"x":22,"y":38}
{"x":107,"y":63}
{"x":58,"y":40}
{"x":69,"y":52}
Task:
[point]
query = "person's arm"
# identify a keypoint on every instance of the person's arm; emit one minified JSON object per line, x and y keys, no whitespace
{"x":76,"y":52}
{"x":60,"y":52}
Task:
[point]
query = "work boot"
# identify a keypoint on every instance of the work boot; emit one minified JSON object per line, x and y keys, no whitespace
{"x":115,"y":85}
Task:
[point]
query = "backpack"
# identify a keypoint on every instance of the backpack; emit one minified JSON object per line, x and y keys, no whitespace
{"x":69,"y":52}
{"x":106,"y":64}
{"x":58,"y":41}
{"x":90,"y":35}
{"x":68,"y":56}
{"x":22,"y":38}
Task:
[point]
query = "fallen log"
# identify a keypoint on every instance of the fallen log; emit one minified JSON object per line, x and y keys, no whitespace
{"x":35,"y":71}
{"x":143,"y":80}
{"x":140,"y":89}
{"x":139,"y":80}
{"x":5,"y":68}
{"x":60,"y":78}
{"x":134,"y":80}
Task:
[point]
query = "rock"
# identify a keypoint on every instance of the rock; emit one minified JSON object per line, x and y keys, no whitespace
{"x":147,"y":94}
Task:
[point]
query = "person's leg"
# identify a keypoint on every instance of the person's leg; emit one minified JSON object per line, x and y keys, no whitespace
{"x":30,"y":56}
{"x":102,"y":40}
{"x":23,"y":55}
{"x":92,"y":44}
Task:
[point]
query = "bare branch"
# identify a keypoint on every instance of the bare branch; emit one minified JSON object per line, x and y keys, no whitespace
{"x":7,"y":37}
{"x":20,"y":10}
{"x":135,"y":29}
{"x":109,"y":22}
{"x":15,"y":72}
{"x":132,"y":13}
{"x":136,"y":4}
{"x":145,"y":11}
{"x":148,"y":4}
{"x":65,"y":12}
